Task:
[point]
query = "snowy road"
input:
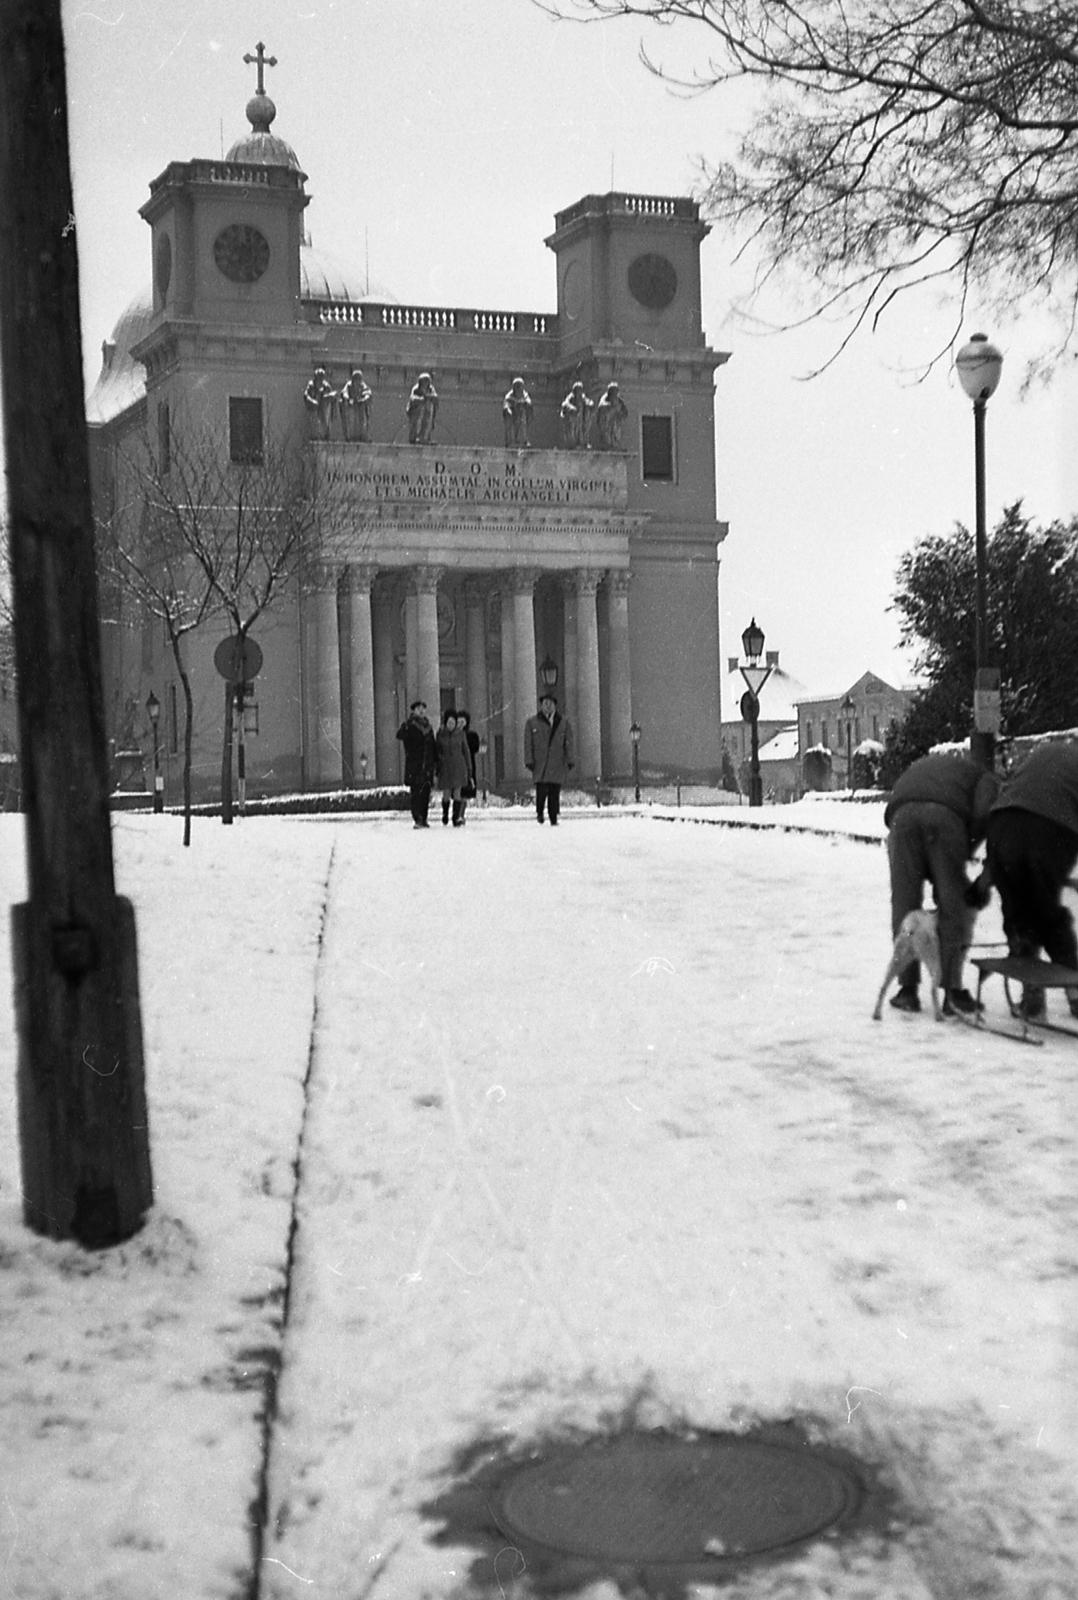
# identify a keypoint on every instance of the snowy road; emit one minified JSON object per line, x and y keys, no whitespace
{"x":600,"y":1120}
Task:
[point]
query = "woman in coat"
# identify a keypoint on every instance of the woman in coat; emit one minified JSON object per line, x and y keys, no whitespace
{"x":471,"y":741}
{"x":453,"y":766}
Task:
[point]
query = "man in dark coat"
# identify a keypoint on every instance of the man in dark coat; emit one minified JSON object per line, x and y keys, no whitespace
{"x":937,"y":816}
{"x":549,"y":755}
{"x":417,"y":737}
{"x":1032,"y":849}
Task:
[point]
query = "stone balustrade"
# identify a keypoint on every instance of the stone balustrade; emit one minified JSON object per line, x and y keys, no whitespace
{"x":437,"y":319}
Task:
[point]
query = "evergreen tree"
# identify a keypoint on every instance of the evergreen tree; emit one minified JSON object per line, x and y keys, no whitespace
{"x":1032,"y":603}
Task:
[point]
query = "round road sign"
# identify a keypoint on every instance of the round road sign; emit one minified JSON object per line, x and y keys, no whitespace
{"x":238,"y":660}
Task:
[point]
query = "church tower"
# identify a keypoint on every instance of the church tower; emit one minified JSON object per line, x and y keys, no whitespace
{"x":225,"y":253}
{"x":225,"y":242}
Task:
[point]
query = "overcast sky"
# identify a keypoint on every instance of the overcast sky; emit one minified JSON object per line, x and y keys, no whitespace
{"x":440,"y":137}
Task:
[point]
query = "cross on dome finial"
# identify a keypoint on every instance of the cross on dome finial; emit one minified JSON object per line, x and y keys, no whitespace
{"x":261,"y":60}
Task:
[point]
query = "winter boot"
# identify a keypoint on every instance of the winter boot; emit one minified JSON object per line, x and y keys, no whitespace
{"x":458,"y":814}
{"x":907,"y":999}
{"x":445,"y":813}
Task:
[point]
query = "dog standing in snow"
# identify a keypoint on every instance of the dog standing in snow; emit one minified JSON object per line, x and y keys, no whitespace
{"x":918,"y":939}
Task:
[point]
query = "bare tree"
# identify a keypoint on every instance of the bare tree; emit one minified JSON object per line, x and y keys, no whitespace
{"x":143,"y":548}
{"x":252,"y":528}
{"x":897,"y":142}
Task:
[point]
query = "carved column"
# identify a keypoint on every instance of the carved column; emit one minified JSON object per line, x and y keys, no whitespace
{"x":567,"y":691}
{"x":589,"y":729}
{"x":507,"y":701}
{"x":524,"y":705}
{"x":385,"y":604}
{"x":619,"y":695}
{"x":475,"y":658}
{"x":323,"y":680}
{"x":358,"y":580}
{"x":411,"y":645}
{"x":426,"y":581}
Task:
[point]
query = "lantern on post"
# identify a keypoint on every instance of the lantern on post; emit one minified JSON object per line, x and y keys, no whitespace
{"x":153,"y":711}
{"x":979,"y":365}
{"x":752,"y":642}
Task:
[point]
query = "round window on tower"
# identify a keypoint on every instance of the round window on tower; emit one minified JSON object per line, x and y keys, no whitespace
{"x":652,"y":281}
{"x":241,"y":252}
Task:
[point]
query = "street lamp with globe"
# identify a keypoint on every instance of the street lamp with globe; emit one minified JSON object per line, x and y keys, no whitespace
{"x":752,"y":642}
{"x":153,"y":711}
{"x":634,"y":735}
{"x":848,"y":709}
{"x":979,"y":365}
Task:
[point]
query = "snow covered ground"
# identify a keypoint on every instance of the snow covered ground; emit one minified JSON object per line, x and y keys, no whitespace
{"x":571,"y":1126}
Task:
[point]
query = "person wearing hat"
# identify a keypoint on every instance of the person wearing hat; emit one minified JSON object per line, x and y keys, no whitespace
{"x":548,"y":755}
{"x":417,"y":737}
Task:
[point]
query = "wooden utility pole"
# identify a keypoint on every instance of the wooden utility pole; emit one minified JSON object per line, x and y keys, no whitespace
{"x":83,"y":1132}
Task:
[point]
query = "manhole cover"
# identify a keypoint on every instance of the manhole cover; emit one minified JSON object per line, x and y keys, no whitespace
{"x":641,"y":1499}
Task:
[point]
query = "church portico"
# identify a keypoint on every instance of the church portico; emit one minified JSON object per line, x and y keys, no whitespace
{"x":487,"y":561}
{"x":475,"y":638}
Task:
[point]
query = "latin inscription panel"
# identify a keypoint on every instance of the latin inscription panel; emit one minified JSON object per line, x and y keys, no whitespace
{"x":492,"y":480}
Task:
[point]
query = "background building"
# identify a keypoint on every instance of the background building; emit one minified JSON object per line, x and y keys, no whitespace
{"x":460,"y":556}
{"x":866,"y":710}
{"x":778,"y":716}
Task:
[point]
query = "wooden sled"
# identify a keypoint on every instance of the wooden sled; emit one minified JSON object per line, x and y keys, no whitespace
{"x":1024,"y":970}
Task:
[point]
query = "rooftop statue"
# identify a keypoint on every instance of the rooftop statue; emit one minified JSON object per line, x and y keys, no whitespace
{"x":422,"y":410}
{"x":354,"y":401}
{"x":609,"y":416}
{"x":516,"y":414}
{"x":319,"y":398}
{"x":575,"y":412}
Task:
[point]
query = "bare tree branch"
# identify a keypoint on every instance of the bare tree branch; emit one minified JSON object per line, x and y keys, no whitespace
{"x":891,"y":131}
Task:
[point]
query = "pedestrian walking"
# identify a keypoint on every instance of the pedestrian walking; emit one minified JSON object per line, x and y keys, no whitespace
{"x":936,"y":817}
{"x":417,"y":737}
{"x":471,"y":741}
{"x":453,"y":766}
{"x":1032,"y":850}
{"x":549,"y":755}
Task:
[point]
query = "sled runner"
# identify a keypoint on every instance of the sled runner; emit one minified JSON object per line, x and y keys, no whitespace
{"x":1023,"y":970}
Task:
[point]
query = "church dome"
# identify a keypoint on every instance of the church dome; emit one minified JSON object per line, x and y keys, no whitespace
{"x":122,"y":380}
{"x":260,"y":147}
{"x":322,"y":278}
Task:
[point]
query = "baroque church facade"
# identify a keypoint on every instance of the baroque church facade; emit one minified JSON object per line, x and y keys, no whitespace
{"x":512,"y":493}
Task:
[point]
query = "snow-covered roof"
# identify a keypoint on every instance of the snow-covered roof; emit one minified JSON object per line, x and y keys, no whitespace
{"x":781,"y":747}
{"x":121,"y":382}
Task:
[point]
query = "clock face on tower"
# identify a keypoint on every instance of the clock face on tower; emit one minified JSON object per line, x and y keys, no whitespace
{"x":652,"y":281}
{"x":241,"y":252}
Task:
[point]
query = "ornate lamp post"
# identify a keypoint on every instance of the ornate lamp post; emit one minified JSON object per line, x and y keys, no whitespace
{"x":634,"y":735}
{"x":848,"y":709}
{"x":548,"y":673}
{"x":153,"y":711}
{"x":979,"y":365}
{"x":752,"y":642}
